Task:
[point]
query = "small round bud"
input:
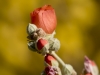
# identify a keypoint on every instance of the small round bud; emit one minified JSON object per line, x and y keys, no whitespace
{"x":68,"y":70}
{"x":52,"y":70}
{"x":42,"y":46}
{"x":31,"y":28}
{"x":31,"y":46}
{"x":50,"y":60}
{"x":54,"y":44}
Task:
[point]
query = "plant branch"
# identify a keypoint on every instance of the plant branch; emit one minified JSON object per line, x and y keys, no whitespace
{"x":58,"y":58}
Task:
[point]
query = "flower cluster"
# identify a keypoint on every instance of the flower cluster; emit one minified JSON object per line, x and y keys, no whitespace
{"x":41,"y":39}
{"x":41,"y":33}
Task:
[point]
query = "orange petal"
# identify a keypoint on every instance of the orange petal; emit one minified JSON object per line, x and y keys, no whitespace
{"x":44,"y":18}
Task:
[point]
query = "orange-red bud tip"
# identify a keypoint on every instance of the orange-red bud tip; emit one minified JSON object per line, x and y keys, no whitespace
{"x":41,"y":43}
{"x":49,"y":58}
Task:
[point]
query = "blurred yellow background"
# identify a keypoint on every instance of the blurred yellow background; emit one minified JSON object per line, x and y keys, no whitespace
{"x":78,"y":30}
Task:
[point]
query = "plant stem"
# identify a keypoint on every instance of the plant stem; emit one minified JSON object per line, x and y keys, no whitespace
{"x":58,"y":58}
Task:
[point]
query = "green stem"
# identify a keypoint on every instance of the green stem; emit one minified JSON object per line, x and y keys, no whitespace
{"x":58,"y":58}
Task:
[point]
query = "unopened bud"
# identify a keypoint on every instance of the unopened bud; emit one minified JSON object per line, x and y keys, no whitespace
{"x":52,"y":70}
{"x":31,"y":46}
{"x":42,"y":46}
{"x":90,"y":67}
{"x":68,"y":70}
{"x":31,"y":28}
{"x":54,"y":44}
{"x":50,"y":60}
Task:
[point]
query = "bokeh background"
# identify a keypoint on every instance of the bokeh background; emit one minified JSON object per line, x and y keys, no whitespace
{"x":78,"y":30}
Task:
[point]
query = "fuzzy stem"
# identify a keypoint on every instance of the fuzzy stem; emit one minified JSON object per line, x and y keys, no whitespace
{"x":58,"y":58}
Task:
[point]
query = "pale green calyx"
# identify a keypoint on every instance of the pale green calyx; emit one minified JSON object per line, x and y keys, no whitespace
{"x":54,"y":44}
{"x":68,"y":70}
{"x":31,"y":28}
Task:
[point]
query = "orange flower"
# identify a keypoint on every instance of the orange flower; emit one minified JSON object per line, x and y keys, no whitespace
{"x":44,"y":18}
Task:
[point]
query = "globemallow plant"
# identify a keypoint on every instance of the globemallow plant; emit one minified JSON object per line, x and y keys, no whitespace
{"x":41,"y":33}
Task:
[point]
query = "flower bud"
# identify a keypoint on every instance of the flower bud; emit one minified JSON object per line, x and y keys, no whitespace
{"x":90,"y":67}
{"x":50,"y":60}
{"x":68,"y":70}
{"x":31,"y":28}
{"x":54,"y":44}
{"x":52,"y":70}
{"x":42,"y":46}
{"x":31,"y":46}
{"x":44,"y":18}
